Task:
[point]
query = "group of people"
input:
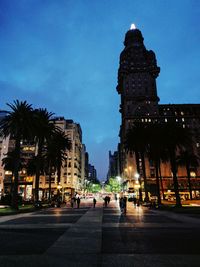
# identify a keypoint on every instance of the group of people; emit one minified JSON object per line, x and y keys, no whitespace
{"x":75,"y":201}
{"x":106,"y":201}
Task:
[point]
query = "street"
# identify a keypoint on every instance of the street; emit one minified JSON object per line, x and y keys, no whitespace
{"x":99,"y":237}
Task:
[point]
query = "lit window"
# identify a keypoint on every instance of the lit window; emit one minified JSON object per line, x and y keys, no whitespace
{"x":183,"y":119}
{"x":197,"y":144}
{"x":192,"y":174}
{"x":165,"y":120}
{"x":183,"y":125}
{"x":8,"y":172}
{"x":182,"y":113}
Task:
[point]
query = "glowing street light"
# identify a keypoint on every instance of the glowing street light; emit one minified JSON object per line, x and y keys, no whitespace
{"x":137,"y":176}
{"x":118,"y":178}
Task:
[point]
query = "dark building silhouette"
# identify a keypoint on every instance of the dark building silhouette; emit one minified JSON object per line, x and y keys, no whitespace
{"x":92,"y":173}
{"x":114,"y":165}
{"x":137,"y":75}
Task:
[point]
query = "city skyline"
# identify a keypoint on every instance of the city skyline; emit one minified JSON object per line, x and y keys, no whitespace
{"x":65,"y":57}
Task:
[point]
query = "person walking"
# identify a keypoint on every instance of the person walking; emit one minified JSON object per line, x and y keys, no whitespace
{"x":121,"y":204}
{"x":94,"y":202}
{"x":125,"y":203}
{"x":72,"y":202}
{"x":78,"y":202}
{"x":135,"y":201}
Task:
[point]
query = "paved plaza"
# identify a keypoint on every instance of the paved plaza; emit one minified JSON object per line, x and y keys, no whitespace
{"x":100,"y":237}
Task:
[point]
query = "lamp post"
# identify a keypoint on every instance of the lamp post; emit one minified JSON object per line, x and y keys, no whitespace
{"x":137,"y":185}
{"x":119,"y":181}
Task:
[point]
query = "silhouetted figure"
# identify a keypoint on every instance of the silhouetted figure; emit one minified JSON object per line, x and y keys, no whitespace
{"x":78,"y":202}
{"x":72,"y":202}
{"x":135,"y":201}
{"x":125,"y":204}
{"x":121,"y":204}
{"x":105,"y":201}
{"x":94,"y":202}
{"x":108,"y":199}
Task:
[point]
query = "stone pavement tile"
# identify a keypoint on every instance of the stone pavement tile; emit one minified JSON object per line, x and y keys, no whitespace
{"x":136,"y":219}
{"x":51,"y":261}
{"x":43,"y":219}
{"x":36,"y":226}
{"x":151,"y":241}
{"x":146,"y":260}
{"x":149,"y":225}
{"x":25,"y":241}
{"x":84,"y":237}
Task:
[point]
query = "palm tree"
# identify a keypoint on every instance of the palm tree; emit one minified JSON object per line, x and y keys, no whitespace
{"x":9,"y":164}
{"x":18,"y":126}
{"x":56,"y":154}
{"x":136,"y":141}
{"x":50,"y":162}
{"x":175,"y":138}
{"x":43,"y":129}
{"x":61,"y":145}
{"x":155,"y":152}
{"x":188,"y":159}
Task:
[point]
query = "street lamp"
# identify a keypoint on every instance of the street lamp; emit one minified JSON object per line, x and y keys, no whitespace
{"x":119,"y":178}
{"x":137,"y":176}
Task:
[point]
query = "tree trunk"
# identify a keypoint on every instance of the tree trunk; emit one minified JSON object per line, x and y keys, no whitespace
{"x":145,"y":177}
{"x":189,"y":180}
{"x":161,"y":181}
{"x":158,"y":182}
{"x":38,"y":169}
{"x":14,"y":199}
{"x":138,"y":171}
{"x":49,"y":182}
{"x":175,"y":179}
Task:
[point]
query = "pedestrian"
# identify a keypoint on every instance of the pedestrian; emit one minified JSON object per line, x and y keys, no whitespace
{"x":135,"y":201}
{"x":72,"y":202}
{"x":78,"y":202}
{"x":94,"y":202}
{"x":121,"y":204}
{"x":105,"y":201}
{"x":125,"y":203}
{"x":108,"y":199}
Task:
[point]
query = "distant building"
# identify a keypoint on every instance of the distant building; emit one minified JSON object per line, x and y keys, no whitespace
{"x":137,"y":75}
{"x":114,"y":167}
{"x":72,"y":175}
{"x":92,"y":174}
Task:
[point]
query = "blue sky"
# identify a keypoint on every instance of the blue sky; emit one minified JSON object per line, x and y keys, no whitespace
{"x":64,"y":55}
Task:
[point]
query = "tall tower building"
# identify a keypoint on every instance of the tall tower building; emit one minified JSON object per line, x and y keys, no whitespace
{"x":137,"y":75}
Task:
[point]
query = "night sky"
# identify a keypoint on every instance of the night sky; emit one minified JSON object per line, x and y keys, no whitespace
{"x":63,"y":55}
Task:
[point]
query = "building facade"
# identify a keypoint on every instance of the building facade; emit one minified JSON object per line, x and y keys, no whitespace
{"x":73,"y":171}
{"x":137,"y":75}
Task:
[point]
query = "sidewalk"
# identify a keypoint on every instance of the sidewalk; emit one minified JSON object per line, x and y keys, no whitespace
{"x":81,"y":244}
